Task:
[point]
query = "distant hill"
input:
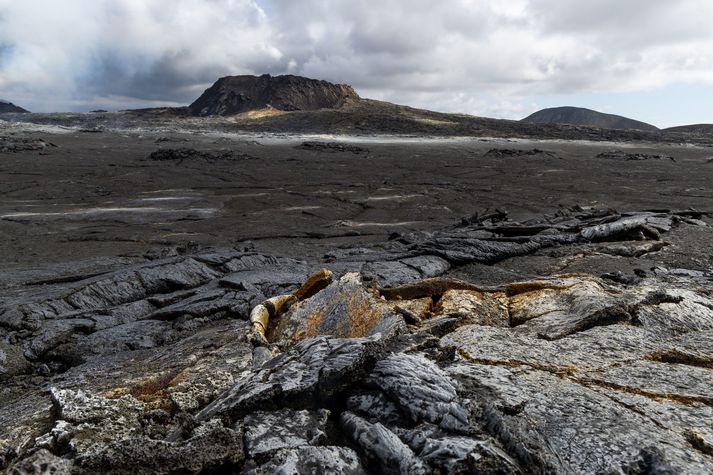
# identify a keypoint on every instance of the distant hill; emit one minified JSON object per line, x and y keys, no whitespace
{"x":237,"y":94}
{"x":586,"y":117}
{"x":692,"y":129}
{"x":6,"y":106}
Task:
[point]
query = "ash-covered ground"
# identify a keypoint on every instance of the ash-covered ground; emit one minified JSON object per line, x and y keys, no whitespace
{"x":494,"y":305}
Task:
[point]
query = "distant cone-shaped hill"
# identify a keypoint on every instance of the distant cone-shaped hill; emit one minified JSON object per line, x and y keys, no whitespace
{"x":6,"y":106}
{"x":692,"y":129}
{"x":236,"y":94}
{"x":585,"y":117}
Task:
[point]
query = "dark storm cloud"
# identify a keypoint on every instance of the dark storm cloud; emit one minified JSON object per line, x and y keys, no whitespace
{"x":449,"y":55}
{"x":161,"y":79}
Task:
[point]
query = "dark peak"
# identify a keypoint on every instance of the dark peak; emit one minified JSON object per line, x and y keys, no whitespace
{"x":6,"y":106}
{"x":692,"y":129}
{"x":586,"y":117}
{"x":235,"y":94}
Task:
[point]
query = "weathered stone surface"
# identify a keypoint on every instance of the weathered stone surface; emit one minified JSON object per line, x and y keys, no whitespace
{"x":556,"y":308}
{"x":463,"y":249}
{"x":156,"y":367}
{"x":210,"y":446}
{"x":310,"y":372}
{"x":308,"y":459}
{"x":12,"y":361}
{"x":393,"y":273}
{"x":383,"y":448}
{"x":344,"y":309}
{"x":42,"y":462}
{"x":457,"y":454}
{"x":592,"y":349}
{"x":423,"y":391}
{"x":673,"y":311}
{"x":539,"y":416}
{"x":485,"y":308}
{"x":267,"y":432}
{"x":375,"y":406}
{"x":643,"y":226}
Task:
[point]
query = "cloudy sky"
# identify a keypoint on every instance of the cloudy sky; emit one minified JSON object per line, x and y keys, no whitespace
{"x":648,"y":59}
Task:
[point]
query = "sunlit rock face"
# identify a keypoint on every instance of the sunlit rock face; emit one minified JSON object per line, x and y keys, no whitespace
{"x":236,"y":94}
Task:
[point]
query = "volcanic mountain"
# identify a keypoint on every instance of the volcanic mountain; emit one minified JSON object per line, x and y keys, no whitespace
{"x":236,"y":94}
{"x":586,"y":117}
{"x":692,"y":129}
{"x":6,"y":106}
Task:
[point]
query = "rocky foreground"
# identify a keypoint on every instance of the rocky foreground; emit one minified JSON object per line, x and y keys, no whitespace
{"x":373,"y":360}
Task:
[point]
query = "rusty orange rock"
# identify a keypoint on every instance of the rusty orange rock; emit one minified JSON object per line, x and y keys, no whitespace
{"x":344,"y":309}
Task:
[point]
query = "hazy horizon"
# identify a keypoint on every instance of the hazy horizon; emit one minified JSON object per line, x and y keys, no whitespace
{"x":646,"y":60}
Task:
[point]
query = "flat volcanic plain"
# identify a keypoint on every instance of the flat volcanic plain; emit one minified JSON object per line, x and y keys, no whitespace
{"x":497,"y":305}
{"x":89,"y":196}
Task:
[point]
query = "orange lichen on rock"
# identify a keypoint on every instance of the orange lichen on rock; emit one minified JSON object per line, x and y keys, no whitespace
{"x":154,"y":387}
{"x":344,"y":309}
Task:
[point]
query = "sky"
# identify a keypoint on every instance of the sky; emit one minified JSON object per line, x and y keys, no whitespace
{"x":650,"y":60}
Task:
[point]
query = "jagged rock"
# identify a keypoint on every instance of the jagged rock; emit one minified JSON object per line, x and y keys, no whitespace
{"x":674,"y":311}
{"x":87,"y":420}
{"x":382,"y":448}
{"x":484,"y":308}
{"x":376,"y":407}
{"x":636,"y":250}
{"x":463,"y":249}
{"x":125,"y":337}
{"x":559,"y":307}
{"x":156,"y":367}
{"x":394,"y":273}
{"x":308,"y":459}
{"x":310,"y":372}
{"x":235,"y":94}
{"x":414,"y":311}
{"x":210,"y":447}
{"x":539,"y":416}
{"x":267,"y":432}
{"x":270,"y":279}
{"x":54,"y":332}
{"x":132,"y":286}
{"x":344,"y":309}
{"x":42,"y":462}
{"x":25,"y":415}
{"x":457,"y":454}
{"x":12,"y":361}
{"x":489,"y":241}
{"x":204,"y":304}
{"x":422,"y":390}
{"x":641,"y":226}
{"x":591,"y":349}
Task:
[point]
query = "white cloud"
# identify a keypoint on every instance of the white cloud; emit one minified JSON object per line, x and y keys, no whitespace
{"x":479,"y":56}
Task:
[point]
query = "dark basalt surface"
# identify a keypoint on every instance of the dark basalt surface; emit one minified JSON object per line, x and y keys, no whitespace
{"x":235,"y":94}
{"x":397,"y":366}
{"x":205,"y":302}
